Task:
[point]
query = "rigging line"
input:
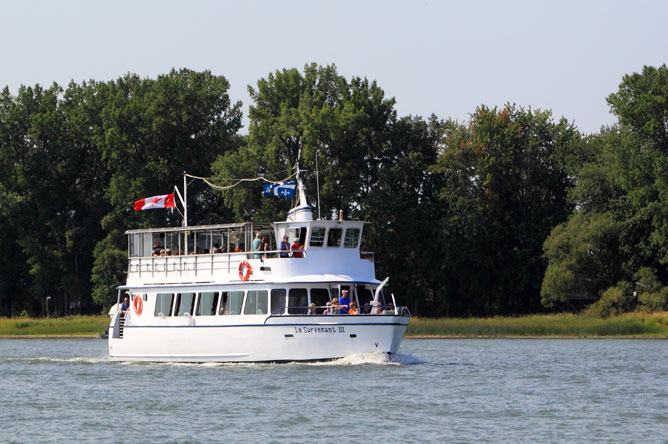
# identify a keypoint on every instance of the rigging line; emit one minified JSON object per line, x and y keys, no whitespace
{"x":218,"y":187}
{"x":229,"y":178}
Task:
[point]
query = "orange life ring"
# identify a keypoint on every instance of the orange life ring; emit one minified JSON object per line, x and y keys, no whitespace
{"x":138,"y":304}
{"x":244,"y":275}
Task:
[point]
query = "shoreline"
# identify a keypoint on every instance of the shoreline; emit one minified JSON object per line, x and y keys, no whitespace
{"x":99,"y":336}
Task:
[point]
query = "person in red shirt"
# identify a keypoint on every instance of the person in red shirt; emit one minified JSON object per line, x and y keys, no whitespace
{"x":297,"y":248}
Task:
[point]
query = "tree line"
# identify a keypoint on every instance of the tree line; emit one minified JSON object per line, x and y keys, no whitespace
{"x":510,"y":212}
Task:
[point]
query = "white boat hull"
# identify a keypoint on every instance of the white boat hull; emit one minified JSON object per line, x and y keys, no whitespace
{"x":269,"y":339}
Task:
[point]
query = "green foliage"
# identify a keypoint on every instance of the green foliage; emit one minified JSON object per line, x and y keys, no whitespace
{"x":615,"y":300}
{"x":582,"y":261}
{"x":652,"y":294}
{"x":108,"y":271}
{"x":621,"y":178}
{"x":72,"y":161}
{"x":505,"y":187}
{"x":561,"y":325}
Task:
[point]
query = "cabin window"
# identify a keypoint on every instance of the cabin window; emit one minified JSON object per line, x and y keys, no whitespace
{"x":185,"y":303}
{"x":352,"y":238}
{"x":297,"y":301}
{"x":334,"y":238}
{"x":278,"y":300}
{"x":231,"y":302}
{"x":163,"y":304}
{"x":317,"y":236}
{"x":207,"y":302}
{"x":319,"y":296}
{"x":256,"y":302}
{"x":140,"y":245}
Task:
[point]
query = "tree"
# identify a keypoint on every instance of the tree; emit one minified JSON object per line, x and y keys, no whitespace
{"x":506,"y":186}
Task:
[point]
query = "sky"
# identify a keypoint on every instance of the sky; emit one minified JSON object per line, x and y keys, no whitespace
{"x":434,"y":57}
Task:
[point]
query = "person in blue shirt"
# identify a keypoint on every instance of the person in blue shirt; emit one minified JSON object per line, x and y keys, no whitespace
{"x":284,"y":246}
{"x":344,"y":302}
{"x":124,"y":306}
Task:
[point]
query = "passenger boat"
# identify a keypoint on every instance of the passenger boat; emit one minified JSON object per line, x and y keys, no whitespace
{"x":200,"y":294}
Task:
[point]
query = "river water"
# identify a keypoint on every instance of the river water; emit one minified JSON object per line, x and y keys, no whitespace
{"x":460,"y":391}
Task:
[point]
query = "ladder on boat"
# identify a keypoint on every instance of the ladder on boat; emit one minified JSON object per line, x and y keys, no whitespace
{"x":121,"y":325}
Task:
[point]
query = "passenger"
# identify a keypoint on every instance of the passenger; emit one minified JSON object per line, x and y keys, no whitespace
{"x":156,"y":248}
{"x":328,"y":309}
{"x":168,"y":252}
{"x":265,"y":246}
{"x":379,"y":308}
{"x":284,"y":246}
{"x":162,"y":252}
{"x":257,"y":243}
{"x":176,"y":253}
{"x":353,"y":309}
{"x":390,"y":308}
{"x":312,"y":309}
{"x":124,"y":306}
{"x":216,"y":249}
{"x":297,"y":248}
{"x":344,"y":304}
{"x":336,"y":308}
{"x":367,"y":308}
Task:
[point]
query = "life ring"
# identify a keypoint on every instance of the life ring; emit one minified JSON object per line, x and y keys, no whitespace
{"x":245,"y":270}
{"x":138,"y":304}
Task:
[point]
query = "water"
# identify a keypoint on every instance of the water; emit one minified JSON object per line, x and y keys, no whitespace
{"x":464,"y":391}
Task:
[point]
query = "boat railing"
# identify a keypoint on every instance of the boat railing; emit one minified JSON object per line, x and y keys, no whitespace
{"x":301,"y":310}
{"x":206,"y":263}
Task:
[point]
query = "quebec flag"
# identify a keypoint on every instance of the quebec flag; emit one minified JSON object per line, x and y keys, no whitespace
{"x":283,"y":189}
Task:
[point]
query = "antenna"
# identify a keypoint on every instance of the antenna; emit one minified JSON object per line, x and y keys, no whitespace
{"x":317,"y":182}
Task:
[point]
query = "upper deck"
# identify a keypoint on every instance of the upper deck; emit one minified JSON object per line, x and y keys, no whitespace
{"x":213,"y":254}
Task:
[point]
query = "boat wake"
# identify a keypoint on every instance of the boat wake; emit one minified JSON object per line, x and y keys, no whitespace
{"x":373,"y":358}
{"x":78,"y":359}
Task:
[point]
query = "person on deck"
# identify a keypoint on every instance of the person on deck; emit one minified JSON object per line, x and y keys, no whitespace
{"x":156,"y":248}
{"x":344,"y":303}
{"x":284,"y":246}
{"x":124,"y":306}
{"x":257,"y":243}
{"x":353,"y":309}
{"x":297,"y":248}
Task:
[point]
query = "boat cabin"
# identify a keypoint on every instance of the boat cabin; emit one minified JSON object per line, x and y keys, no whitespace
{"x":224,"y":253}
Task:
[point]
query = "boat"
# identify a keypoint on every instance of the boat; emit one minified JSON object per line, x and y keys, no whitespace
{"x":202,"y":294}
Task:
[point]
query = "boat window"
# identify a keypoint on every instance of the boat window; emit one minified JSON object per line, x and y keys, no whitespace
{"x":278,"y":300}
{"x":256,"y":302}
{"x":206,"y":303}
{"x":365,"y":299}
{"x":335,"y":292}
{"x":185,"y":302}
{"x":319,"y":296}
{"x":231,"y":302}
{"x":352,"y":238}
{"x":317,"y":236}
{"x":334,"y":238}
{"x":163,"y":304}
{"x":172,"y":243}
{"x":297,"y":301}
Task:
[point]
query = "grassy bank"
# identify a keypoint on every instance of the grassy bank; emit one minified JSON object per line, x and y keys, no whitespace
{"x":562,"y":325}
{"x":71,"y":326}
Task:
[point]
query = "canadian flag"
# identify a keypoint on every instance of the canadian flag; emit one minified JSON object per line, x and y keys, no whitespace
{"x":164,"y":201}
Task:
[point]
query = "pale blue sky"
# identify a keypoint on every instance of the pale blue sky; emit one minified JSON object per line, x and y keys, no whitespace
{"x":441,"y":57}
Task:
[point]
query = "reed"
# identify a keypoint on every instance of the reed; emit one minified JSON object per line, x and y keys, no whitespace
{"x":562,"y":325}
{"x":641,"y":325}
{"x":74,"y":326}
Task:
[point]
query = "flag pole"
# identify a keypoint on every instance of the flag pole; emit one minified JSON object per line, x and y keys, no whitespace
{"x":183,"y":199}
